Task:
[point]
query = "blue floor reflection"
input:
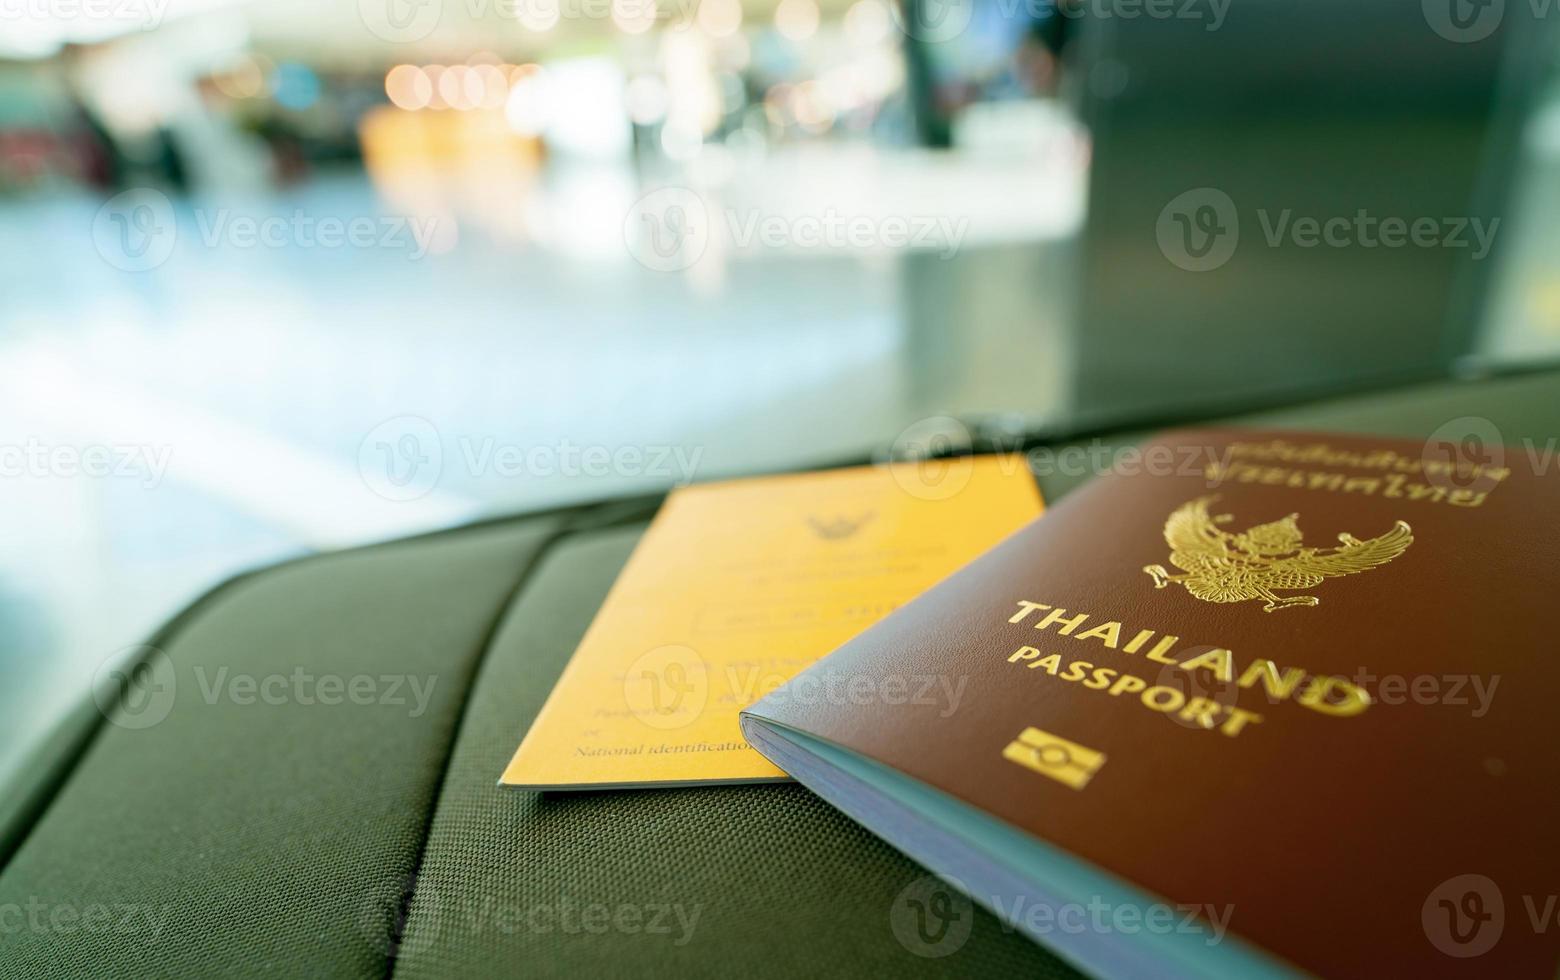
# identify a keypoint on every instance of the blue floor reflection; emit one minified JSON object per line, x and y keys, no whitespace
{"x":242,"y":403}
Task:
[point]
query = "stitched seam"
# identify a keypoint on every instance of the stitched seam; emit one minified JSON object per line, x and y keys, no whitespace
{"x":26,"y":820}
{"x":630,"y":513}
{"x":45,"y":795}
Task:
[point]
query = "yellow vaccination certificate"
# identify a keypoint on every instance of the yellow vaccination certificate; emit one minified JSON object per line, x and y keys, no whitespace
{"x":736,"y":587}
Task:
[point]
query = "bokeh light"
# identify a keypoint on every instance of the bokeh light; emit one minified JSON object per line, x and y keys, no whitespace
{"x":681,"y":141}
{"x":645,"y":98}
{"x":868,"y":22}
{"x":245,"y":78}
{"x":797,"y":20}
{"x":634,"y":16}
{"x":435,"y":96}
{"x":295,"y":86}
{"x":408,"y":87}
{"x":492,"y":86}
{"x":719,"y":18}
{"x":528,"y":107}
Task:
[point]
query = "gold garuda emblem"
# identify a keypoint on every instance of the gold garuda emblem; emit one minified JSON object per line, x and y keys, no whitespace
{"x":1263,"y":560}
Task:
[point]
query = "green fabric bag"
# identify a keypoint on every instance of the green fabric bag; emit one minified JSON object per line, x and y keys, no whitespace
{"x":194,"y":835}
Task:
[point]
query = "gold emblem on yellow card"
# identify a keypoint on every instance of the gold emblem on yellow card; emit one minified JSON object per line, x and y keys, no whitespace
{"x":838,"y":527}
{"x":1258,"y":562}
{"x":1065,"y":761}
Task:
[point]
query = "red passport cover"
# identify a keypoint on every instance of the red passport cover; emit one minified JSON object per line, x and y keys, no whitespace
{"x":1310,"y":677}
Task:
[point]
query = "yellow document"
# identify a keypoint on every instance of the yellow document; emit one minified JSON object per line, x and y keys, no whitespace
{"x":736,"y":587}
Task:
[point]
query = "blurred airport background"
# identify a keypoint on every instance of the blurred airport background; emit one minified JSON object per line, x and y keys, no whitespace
{"x":285,"y":276}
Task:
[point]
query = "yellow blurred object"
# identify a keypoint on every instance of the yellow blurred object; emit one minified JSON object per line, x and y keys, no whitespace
{"x":396,"y":140}
{"x":468,"y":166}
{"x":1544,"y":304}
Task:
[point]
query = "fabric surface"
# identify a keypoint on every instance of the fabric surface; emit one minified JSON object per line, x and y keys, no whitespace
{"x":751,"y":877}
{"x":238,"y":837}
{"x":232,"y":837}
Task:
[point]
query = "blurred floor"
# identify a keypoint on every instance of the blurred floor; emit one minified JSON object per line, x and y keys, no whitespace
{"x":248,"y":404}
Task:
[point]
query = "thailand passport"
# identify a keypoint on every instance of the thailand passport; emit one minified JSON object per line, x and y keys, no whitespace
{"x":1254,"y":703}
{"x":735,"y":587}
